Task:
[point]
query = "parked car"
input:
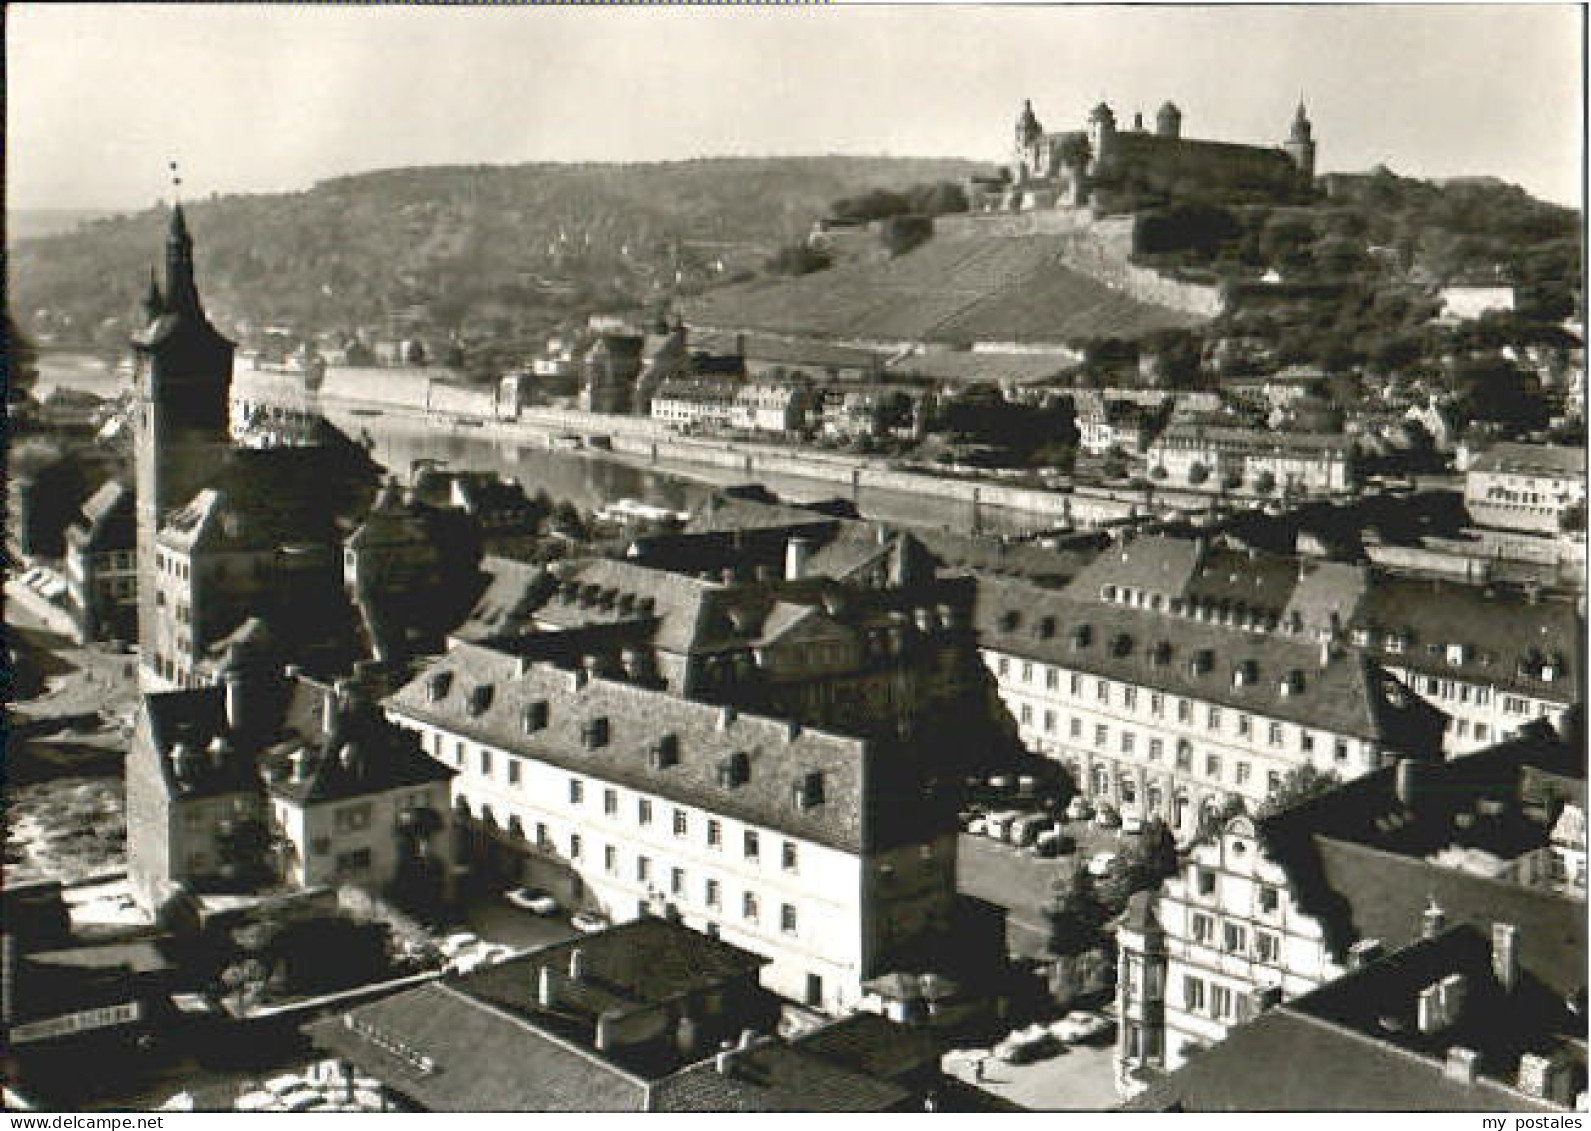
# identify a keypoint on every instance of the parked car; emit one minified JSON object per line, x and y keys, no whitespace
{"x":456,"y":944}
{"x":978,"y":826}
{"x":1132,"y":823}
{"x":1026,"y":829}
{"x":1055,"y":843}
{"x":998,"y":825}
{"x":588,"y":921}
{"x":1080,"y":1027}
{"x":534,"y":900}
{"x":1100,"y":863}
{"x":1024,"y":1046}
{"x":1079,"y":809}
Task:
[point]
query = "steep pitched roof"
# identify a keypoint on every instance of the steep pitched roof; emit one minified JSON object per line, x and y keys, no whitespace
{"x":1256,"y":1068}
{"x":1531,"y":459}
{"x":773,"y":1076}
{"x":480,"y":1058}
{"x":851,"y":816}
{"x":1346,"y":694}
{"x":1153,"y":564}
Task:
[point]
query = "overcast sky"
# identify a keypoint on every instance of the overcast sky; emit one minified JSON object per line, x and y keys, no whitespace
{"x":265,"y":98}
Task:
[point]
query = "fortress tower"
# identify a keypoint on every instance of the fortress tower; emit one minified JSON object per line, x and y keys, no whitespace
{"x":1300,"y":145}
{"x":1168,"y":121}
{"x":182,"y":379}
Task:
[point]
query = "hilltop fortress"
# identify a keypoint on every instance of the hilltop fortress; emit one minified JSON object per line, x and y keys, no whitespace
{"x":1048,"y":252}
{"x":1074,"y":168}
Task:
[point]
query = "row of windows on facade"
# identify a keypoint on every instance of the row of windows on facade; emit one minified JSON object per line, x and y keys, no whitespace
{"x":1234,"y":939}
{"x":172,"y":564}
{"x":712,"y":888}
{"x":596,"y":732}
{"x":1222,"y":1003}
{"x":1105,"y":694}
{"x":751,"y":842}
{"x":1242,"y":770}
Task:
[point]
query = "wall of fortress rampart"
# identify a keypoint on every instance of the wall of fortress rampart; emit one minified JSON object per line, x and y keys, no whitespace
{"x":1101,"y":248}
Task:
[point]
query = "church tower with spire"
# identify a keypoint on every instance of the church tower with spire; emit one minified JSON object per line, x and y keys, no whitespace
{"x":182,"y":378}
{"x":1300,"y":146}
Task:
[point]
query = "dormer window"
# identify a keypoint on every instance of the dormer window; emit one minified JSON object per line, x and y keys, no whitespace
{"x":1245,"y":673}
{"x":439,"y":686}
{"x":1459,"y":653}
{"x":665,"y":752}
{"x":535,"y":716}
{"x":1160,"y":654}
{"x":1082,"y":636}
{"x":1396,"y":642}
{"x":1010,"y":619}
{"x":1292,"y":683}
{"x":594,"y":732}
{"x":1202,"y":661}
{"x":480,"y":699}
{"x":808,"y":792}
{"x":1107,"y":593}
{"x":734,"y":770}
{"x":1361,"y":637}
{"x":1046,"y":628}
{"x":1120,"y":644}
{"x":1552,"y":667}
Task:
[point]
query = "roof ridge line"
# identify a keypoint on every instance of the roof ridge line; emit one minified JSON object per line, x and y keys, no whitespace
{"x":562,"y":1042}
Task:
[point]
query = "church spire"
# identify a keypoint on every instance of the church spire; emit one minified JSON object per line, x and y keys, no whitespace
{"x":182,"y":294}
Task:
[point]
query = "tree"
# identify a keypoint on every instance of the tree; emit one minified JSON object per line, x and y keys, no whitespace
{"x":567,"y":520}
{"x":1298,"y":785}
{"x":1265,"y":482}
{"x":1075,"y":914}
{"x":798,"y":259}
{"x":899,"y":234}
{"x":1154,"y":857}
{"x":1495,"y":391}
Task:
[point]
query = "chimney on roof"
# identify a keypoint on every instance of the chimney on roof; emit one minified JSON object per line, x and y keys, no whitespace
{"x":1428,"y":1010}
{"x":1505,"y":955}
{"x":1452,"y":992}
{"x":726,"y":718}
{"x":1408,"y":782}
{"x":1547,"y":1078}
{"x":1325,"y":651}
{"x":577,"y":964}
{"x":330,"y":710}
{"x":797,"y":554}
{"x":1461,"y":1064}
{"x":1433,"y":920}
{"x":1364,"y":952}
{"x":239,"y":702}
{"x":546,"y":986}
{"x":724,"y":1062}
{"x":299,"y":760}
{"x":604,"y":1035}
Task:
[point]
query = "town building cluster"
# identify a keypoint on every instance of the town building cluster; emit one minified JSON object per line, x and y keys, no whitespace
{"x":794,"y":802}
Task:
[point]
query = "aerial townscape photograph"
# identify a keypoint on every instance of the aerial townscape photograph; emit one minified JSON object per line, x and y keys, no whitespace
{"x":915,"y":558}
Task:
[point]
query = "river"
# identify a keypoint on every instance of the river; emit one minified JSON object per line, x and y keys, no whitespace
{"x":587,"y":479}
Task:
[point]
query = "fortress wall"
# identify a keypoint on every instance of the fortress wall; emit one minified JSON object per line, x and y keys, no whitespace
{"x":1101,"y":248}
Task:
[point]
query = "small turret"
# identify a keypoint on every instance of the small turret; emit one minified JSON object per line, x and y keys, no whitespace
{"x":1028,"y":129}
{"x":154,"y":304}
{"x":1168,"y":121}
{"x":1300,"y":145}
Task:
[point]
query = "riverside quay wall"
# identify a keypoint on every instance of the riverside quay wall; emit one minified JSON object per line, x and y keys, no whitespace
{"x":257,"y":393}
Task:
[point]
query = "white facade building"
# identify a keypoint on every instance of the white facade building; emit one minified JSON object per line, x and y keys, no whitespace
{"x":630,"y":801}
